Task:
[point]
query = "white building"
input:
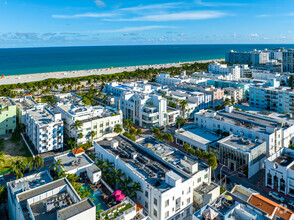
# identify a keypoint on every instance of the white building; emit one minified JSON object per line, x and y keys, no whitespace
{"x":147,"y":111}
{"x":230,"y":72}
{"x":78,"y":163}
{"x":22,"y":105}
{"x":288,"y":61}
{"x":235,"y":93}
{"x":166,"y":175}
{"x":166,"y":79}
{"x":274,"y":132}
{"x":116,"y":88}
{"x":99,"y":119}
{"x":279,"y":171}
{"x":241,"y":154}
{"x":44,"y":129}
{"x":38,"y":197}
{"x":272,"y":96}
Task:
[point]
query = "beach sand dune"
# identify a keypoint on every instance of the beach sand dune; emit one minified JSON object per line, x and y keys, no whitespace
{"x":14,"y":79}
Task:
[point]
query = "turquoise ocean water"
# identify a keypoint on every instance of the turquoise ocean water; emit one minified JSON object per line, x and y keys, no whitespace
{"x":39,"y":60}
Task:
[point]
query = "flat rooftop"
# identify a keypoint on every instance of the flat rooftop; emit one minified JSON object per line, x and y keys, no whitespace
{"x":41,"y":115}
{"x":284,"y":160}
{"x":205,"y":188}
{"x":72,"y":161}
{"x":25,"y":103}
{"x":4,"y":101}
{"x":145,"y":164}
{"x":29,"y":182}
{"x":200,"y":135}
{"x":241,"y":143}
{"x":246,"y":120}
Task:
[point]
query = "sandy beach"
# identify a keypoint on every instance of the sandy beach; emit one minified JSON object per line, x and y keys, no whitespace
{"x":14,"y":79}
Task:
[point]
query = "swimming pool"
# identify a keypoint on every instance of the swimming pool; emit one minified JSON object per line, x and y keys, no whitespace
{"x":95,"y":196}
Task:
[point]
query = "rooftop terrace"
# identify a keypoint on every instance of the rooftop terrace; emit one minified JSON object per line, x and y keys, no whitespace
{"x":41,"y":115}
{"x":25,"y":103}
{"x":241,"y":143}
{"x":4,"y":101}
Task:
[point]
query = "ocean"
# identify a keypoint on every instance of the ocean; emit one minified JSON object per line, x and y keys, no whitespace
{"x":14,"y":61}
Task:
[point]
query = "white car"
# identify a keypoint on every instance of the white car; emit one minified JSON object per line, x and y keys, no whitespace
{"x":276,"y":196}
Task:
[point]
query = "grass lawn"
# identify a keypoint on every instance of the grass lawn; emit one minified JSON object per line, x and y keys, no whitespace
{"x":14,"y":150}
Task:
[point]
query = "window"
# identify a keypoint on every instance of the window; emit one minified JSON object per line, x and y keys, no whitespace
{"x":95,"y":126}
{"x":146,"y":194}
{"x":154,"y":212}
{"x":146,"y":205}
{"x":107,"y":123}
{"x":155,"y":201}
{"x":199,"y":180}
{"x":205,"y":176}
{"x":101,"y":125}
{"x":167,"y":214}
{"x":188,"y":201}
{"x":166,"y":203}
{"x":189,"y":190}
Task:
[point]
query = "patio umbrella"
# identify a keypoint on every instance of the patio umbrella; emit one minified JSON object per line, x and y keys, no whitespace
{"x":228,"y":197}
{"x":120,"y":197}
{"x":116,"y":192}
{"x":209,"y":214}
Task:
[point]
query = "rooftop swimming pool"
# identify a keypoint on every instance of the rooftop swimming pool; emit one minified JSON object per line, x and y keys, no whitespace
{"x":95,"y":196}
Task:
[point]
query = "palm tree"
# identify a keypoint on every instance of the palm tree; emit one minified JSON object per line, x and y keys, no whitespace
{"x":128,"y":123}
{"x":77,"y":125}
{"x":125,"y":184}
{"x":2,"y":159}
{"x":92,"y":134}
{"x":116,"y":177}
{"x":16,"y":168}
{"x":117,"y":128}
{"x":55,"y":166}
{"x":136,"y":187}
{"x":183,"y":106}
{"x":71,"y":143}
{"x":80,"y":135}
{"x":61,"y":174}
{"x":36,"y":163}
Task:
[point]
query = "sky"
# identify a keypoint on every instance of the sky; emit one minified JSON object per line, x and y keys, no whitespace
{"x":37,"y":23}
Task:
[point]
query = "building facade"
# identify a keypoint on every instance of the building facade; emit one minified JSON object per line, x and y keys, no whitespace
{"x":44,"y":129}
{"x":7,"y":116}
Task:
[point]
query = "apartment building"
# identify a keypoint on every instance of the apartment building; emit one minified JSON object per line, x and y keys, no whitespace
{"x":44,"y":129}
{"x":276,"y":133}
{"x":272,"y":97}
{"x":279,"y":171}
{"x":230,"y":72}
{"x":253,"y":57}
{"x":166,"y":79}
{"x":235,"y":84}
{"x":147,"y":110}
{"x":7,"y":116}
{"x":234,"y":93}
{"x":39,"y":197}
{"x":288,"y":61}
{"x":99,"y":119}
{"x":166,"y":175}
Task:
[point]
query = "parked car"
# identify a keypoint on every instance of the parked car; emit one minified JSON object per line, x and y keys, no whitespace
{"x":1,"y":177}
{"x":276,"y":196}
{"x":291,"y":203}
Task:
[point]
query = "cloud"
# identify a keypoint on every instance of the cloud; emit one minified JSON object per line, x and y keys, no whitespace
{"x":86,"y":15}
{"x":130,"y":29}
{"x":254,"y":35}
{"x":153,"y":6}
{"x":180,"y":16}
{"x":215,"y":4}
{"x":262,"y":16}
{"x":100,"y":3}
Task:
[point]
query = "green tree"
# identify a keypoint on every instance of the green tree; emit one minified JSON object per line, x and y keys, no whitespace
{"x":186,"y":147}
{"x":118,"y":128}
{"x":92,"y":134}
{"x":56,"y":165}
{"x":36,"y":163}
{"x":183,"y":105}
{"x":128,"y":124}
{"x":139,"y":131}
{"x":71,"y":143}
{"x":77,"y":125}
{"x":136,"y":187}
{"x":180,"y":122}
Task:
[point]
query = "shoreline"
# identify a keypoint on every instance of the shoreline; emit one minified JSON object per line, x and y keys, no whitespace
{"x":34,"y":77}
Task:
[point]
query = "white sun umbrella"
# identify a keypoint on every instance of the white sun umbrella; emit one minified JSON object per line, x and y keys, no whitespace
{"x":209,"y":213}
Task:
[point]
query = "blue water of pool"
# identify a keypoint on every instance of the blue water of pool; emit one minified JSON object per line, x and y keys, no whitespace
{"x":95,"y":196}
